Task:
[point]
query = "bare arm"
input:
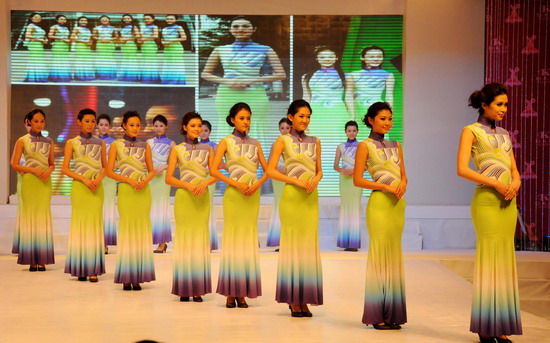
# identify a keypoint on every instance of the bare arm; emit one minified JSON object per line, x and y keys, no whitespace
{"x":337,"y":160}
{"x":254,"y":187}
{"x":272,"y":171}
{"x":170,"y":179}
{"x":215,"y":172}
{"x":211,"y":64}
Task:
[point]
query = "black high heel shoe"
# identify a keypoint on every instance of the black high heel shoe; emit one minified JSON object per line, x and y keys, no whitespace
{"x":33,"y":268}
{"x":295,"y":314}
{"x":503,"y":340}
{"x":231,"y":304}
{"x":126,"y":287}
{"x":82,"y":278}
{"x":486,"y":339}
{"x":241,"y":304}
{"x":184,"y":299}
{"x":197,"y":299}
{"x":136,"y":287}
{"x":383,"y":326}
{"x":41,"y":268}
{"x":395,"y":326}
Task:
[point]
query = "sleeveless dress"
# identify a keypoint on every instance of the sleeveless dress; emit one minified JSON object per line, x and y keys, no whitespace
{"x":160,"y":192}
{"x":370,"y":85}
{"x":299,"y":274}
{"x":274,"y":232}
{"x":385,"y":285}
{"x":240,"y":258}
{"x":60,"y":72}
{"x":135,"y":262}
{"x":84,"y":67}
{"x":37,"y":66}
{"x":242,"y":60}
{"x":173,"y":69}
{"x":109,"y":201}
{"x":35,"y":230}
{"x":495,"y":303}
{"x":105,"y":63}
{"x":192,"y":242}
{"x":85,"y":251}
{"x":349,"y":223}
{"x":212,"y":221}
{"x":149,"y":56}
{"x":129,"y":68}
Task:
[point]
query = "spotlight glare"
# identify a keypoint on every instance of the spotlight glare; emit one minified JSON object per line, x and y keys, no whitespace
{"x":42,"y":102}
{"x":116,"y":104}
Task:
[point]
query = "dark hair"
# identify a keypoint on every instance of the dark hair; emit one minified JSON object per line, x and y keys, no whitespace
{"x":486,"y":95}
{"x":161,"y":118}
{"x":127,"y":115}
{"x":30,"y":115}
{"x":351,"y":123}
{"x":83,"y":17}
{"x":367,"y":49}
{"x":208,"y":125}
{"x":373,"y":110}
{"x":41,"y":24}
{"x":29,"y":20}
{"x":104,"y":16}
{"x":133,"y":23}
{"x":85,"y":111}
{"x":317,"y":51}
{"x":236,"y":109}
{"x":104,"y":116}
{"x":285,"y":120}
{"x":242,"y":17}
{"x":60,"y":16}
{"x":149,"y":15}
{"x":186,"y":119}
{"x":296,"y":105}
{"x":172,"y":15}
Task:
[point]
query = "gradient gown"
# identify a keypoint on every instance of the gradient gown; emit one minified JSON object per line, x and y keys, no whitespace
{"x":149,"y":56}
{"x":192,"y":242}
{"x":84,"y":66}
{"x":35,"y":230}
{"x":349,"y":223}
{"x":109,"y":201}
{"x":212,"y":190}
{"x":85,"y":251}
{"x":16,"y":233}
{"x":37,"y":66}
{"x":495,"y":303}
{"x":274,"y":232}
{"x":134,"y":262}
{"x":160,"y":191}
{"x":299,"y":274}
{"x":173,"y":68}
{"x":129,"y":67}
{"x":240,"y":258}
{"x":60,"y":55}
{"x":370,"y":87}
{"x":105,"y":62}
{"x":385,"y":284}
{"x":244,"y":60}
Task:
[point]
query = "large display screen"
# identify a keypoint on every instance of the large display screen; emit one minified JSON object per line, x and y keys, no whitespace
{"x":173,"y":63}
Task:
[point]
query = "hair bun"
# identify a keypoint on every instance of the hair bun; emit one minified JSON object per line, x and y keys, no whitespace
{"x":228,"y":120}
{"x":475,"y":99}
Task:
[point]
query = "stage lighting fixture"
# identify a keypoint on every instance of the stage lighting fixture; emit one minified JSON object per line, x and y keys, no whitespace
{"x":42,"y":102}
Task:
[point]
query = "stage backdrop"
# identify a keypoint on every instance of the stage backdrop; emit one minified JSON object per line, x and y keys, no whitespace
{"x":518,"y":55}
{"x":171,"y":64}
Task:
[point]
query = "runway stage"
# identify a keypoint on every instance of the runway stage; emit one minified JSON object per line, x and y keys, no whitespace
{"x":53,"y":307}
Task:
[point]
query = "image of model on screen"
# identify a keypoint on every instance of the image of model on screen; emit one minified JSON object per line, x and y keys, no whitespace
{"x":105,"y":36}
{"x":128,"y":38}
{"x":370,"y":84}
{"x":35,"y":37}
{"x":82,"y":36}
{"x":173,"y":69}
{"x":241,"y":80}
{"x":149,"y":50}
{"x":59,"y":34}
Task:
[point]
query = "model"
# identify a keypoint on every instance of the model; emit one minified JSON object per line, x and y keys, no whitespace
{"x":35,"y":38}
{"x":16,"y":233}
{"x":149,"y":50}
{"x":82,"y":37}
{"x":205,"y":138}
{"x":105,"y":36}
{"x":173,"y":68}
{"x":59,"y":34}
{"x":129,"y":36}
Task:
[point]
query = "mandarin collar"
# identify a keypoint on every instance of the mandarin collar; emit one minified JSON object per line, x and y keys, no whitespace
{"x":103,"y":136}
{"x":160,"y":137}
{"x":35,"y":134}
{"x":241,"y":135}
{"x":130,"y":139}
{"x":85,"y":135}
{"x":298,"y":134}
{"x":486,"y":121}
{"x":351,"y":141}
{"x":329,"y":69}
{"x":191,"y":141}
{"x":205,"y":140}
{"x":242,"y":44}
{"x":379,"y":137}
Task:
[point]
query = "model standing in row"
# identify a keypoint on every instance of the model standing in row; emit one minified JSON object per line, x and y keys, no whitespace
{"x":130,"y":35}
{"x":82,"y":36}
{"x":192,"y":211}
{"x":35,"y":36}
{"x":105,"y":37}
{"x":299,"y":275}
{"x":109,"y":186}
{"x":149,"y":50}
{"x":349,"y":223}
{"x":35,"y":230}
{"x":133,"y":158}
{"x":85,"y":254}
{"x":160,"y":191}
{"x":205,"y":138}
{"x":385,"y":306}
{"x":274,"y":232}
{"x":173,"y":68}
{"x":59,"y":34}
{"x":495,"y":303}
{"x":240,"y":261}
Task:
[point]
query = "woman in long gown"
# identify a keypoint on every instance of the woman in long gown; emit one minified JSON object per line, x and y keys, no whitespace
{"x":59,"y":34}
{"x":385,"y":306}
{"x":149,"y":50}
{"x":495,"y":303}
{"x":35,"y":230}
{"x":173,"y":67}
{"x":192,"y":211}
{"x":133,"y":158}
{"x":299,"y":275}
{"x":240,"y":259}
{"x":105,"y":36}
{"x":35,"y":37}
{"x":82,"y":37}
{"x":85,"y":254}
{"x":129,"y":36}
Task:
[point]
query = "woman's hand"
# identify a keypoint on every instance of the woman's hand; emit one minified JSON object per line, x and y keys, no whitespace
{"x":132,"y":183}
{"x":401,"y":189}
{"x":512,"y":190}
{"x":200,"y":189}
{"x":502,"y":188}
{"x":252,"y":189}
{"x":141,"y":185}
{"x":242,"y":187}
{"x":237,"y":85}
{"x":311,"y":185}
{"x":300,"y":183}
{"x":45,"y":175}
